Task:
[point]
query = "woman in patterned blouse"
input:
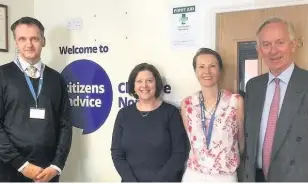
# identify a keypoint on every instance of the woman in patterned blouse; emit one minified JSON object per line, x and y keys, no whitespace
{"x":213,"y":120}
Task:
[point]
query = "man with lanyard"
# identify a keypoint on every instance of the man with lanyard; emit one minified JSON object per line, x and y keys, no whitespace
{"x":35,"y":133}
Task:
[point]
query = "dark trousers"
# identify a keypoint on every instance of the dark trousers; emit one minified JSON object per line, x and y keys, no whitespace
{"x":9,"y":174}
{"x":260,"y":176}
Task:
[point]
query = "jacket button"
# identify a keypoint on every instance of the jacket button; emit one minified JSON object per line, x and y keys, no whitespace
{"x":298,"y":139}
{"x":292,"y":162}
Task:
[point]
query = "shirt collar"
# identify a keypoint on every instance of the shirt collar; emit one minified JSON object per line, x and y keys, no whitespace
{"x":24,"y":64}
{"x":284,"y":76}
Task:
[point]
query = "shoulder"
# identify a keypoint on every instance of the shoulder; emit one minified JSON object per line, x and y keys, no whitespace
{"x":190,"y":100}
{"x":239,"y":101}
{"x":300,"y":72}
{"x":125,"y":114}
{"x":54,"y":75}
{"x":257,"y":79}
{"x":169,"y":113}
{"x":298,"y":79}
{"x":168,"y":106}
{"x":167,"y":110}
{"x":51,"y":71}
{"x":226,"y":92}
{"x":228,"y":95}
{"x":8,"y":70}
{"x":127,"y":109}
{"x":8,"y":66}
{"x":235,"y":99}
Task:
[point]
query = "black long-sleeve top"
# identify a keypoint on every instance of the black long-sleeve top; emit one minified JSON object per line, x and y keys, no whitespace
{"x":150,"y":148}
{"x":40,"y":141}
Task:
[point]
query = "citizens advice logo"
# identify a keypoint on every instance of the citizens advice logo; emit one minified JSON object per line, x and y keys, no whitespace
{"x":90,"y":94}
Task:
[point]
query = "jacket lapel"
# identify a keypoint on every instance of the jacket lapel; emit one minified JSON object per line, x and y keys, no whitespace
{"x":257,"y":106}
{"x":289,"y":108}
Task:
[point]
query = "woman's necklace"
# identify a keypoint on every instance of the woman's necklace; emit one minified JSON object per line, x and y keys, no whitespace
{"x":210,"y":110}
{"x":146,"y":113}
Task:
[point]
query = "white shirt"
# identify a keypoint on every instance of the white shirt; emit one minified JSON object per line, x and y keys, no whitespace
{"x":24,"y":65}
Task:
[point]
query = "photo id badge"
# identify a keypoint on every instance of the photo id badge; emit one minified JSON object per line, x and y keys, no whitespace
{"x":36,"y":113}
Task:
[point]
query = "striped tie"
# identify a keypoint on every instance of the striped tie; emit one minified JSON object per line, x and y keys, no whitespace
{"x":271,"y":127}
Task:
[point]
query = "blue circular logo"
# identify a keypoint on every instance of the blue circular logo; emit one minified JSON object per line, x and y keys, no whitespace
{"x":90,"y":94}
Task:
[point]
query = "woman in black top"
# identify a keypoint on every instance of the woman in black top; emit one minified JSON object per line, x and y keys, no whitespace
{"x":149,"y":143}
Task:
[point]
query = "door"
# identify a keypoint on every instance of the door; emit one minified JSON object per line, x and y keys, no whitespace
{"x":235,"y":30}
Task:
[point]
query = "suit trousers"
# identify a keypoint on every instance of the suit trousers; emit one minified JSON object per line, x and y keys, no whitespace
{"x":260,"y":176}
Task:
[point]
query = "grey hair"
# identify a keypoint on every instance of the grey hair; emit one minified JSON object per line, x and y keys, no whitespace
{"x":274,"y":20}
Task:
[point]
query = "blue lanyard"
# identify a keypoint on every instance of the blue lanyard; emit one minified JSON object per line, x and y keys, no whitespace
{"x":30,"y":85}
{"x":209,"y":134}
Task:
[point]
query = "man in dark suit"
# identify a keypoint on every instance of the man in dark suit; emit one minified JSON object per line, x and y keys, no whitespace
{"x":35,"y":133}
{"x":276,"y":121}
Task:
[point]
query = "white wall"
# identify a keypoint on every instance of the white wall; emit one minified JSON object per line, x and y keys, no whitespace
{"x":146,"y":26}
{"x":16,"y":9}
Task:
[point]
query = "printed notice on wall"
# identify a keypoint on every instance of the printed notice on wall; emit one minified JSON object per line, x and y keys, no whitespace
{"x":184,"y":30}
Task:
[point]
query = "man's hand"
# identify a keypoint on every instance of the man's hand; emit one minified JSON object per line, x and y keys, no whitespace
{"x":31,"y":171}
{"x":46,"y":175}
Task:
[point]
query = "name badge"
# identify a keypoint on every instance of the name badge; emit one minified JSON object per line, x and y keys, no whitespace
{"x":36,"y":113}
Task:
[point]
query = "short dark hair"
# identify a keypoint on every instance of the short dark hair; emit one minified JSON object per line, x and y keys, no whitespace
{"x":207,"y":51}
{"x":28,"y":21}
{"x":144,"y":67}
